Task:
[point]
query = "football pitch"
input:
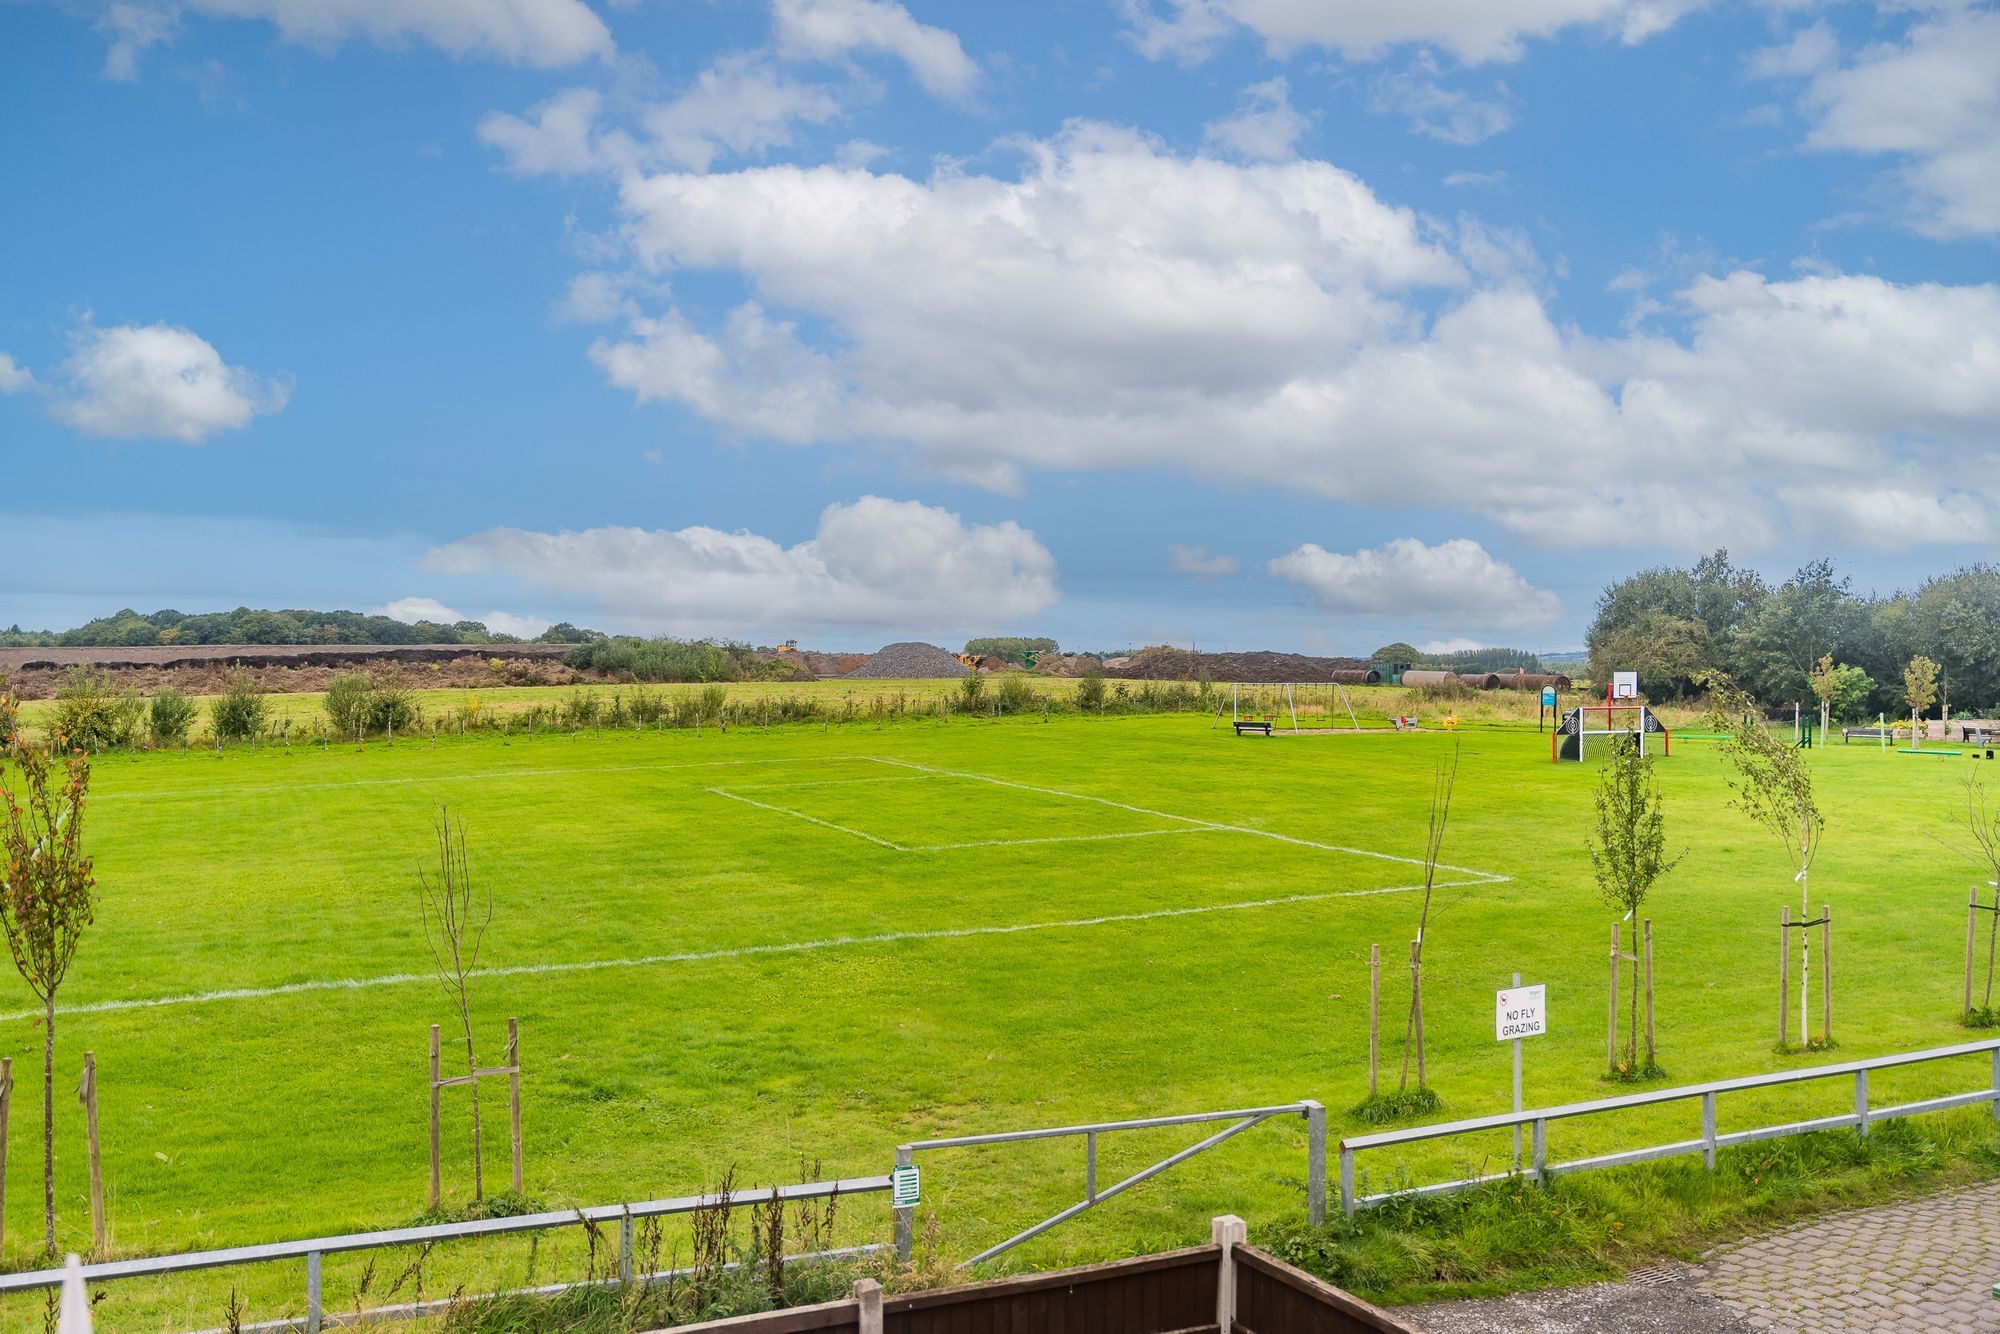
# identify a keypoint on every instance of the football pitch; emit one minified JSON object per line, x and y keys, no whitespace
{"x":753,"y":950}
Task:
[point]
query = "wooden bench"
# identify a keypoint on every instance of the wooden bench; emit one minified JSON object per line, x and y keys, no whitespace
{"x":1253,"y":725}
{"x":1848,"y":734}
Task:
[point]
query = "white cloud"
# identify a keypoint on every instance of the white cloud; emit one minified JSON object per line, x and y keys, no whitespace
{"x":543,"y":33}
{"x":161,"y":382}
{"x":1807,"y":51}
{"x":411,"y":610}
{"x":1116,"y":306}
{"x":1201,"y":563}
{"x":879,"y":564}
{"x":1472,"y":30}
{"x":1458,"y":583}
{"x":1933,"y":99}
{"x":14,"y":377}
{"x":1458,"y":179}
{"x":1449,"y":115}
{"x":130,"y":30}
{"x":833,"y":29}
{"x":1265,"y":125}
{"x":740,"y":105}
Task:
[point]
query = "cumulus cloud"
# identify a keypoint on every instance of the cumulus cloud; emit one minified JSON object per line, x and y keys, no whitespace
{"x":875,"y":564}
{"x":1201,"y":563}
{"x":1456,"y":583}
{"x":1932,"y":99}
{"x":129,"y":29}
{"x":14,"y":377}
{"x":834,"y":29}
{"x":1114,"y":305}
{"x":411,"y":610}
{"x":1449,"y":115}
{"x":740,"y":105}
{"x":1472,"y":30}
{"x":158,"y":381}
{"x":543,"y":33}
{"x":1265,"y":125}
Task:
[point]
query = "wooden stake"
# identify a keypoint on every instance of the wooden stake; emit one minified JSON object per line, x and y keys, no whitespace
{"x":1826,"y":973}
{"x":1611,"y":1041}
{"x":1784,"y":973}
{"x":1971,"y":920}
{"x":514,"y":1093}
{"x":1375,"y":1016}
{"x":1417,"y":1002}
{"x":1649,"y":993}
{"x":437,"y":1168}
{"x":86,"y":1093}
{"x":6,"y":1105}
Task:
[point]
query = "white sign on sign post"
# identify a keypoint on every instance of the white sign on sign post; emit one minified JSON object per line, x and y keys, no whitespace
{"x":1519,"y":1012}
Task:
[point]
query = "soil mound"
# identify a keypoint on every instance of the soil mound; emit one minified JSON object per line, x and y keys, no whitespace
{"x":910,"y":662}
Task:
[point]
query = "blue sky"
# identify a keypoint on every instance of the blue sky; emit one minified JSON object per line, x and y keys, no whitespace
{"x":1286,"y":323}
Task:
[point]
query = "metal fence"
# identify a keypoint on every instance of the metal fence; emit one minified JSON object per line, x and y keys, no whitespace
{"x":314,"y":1250}
{"x":1710,"y":1140}
{"x":1243,"y":1119}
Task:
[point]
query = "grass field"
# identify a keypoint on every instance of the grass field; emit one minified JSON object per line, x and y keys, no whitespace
{"x":738,"y":950}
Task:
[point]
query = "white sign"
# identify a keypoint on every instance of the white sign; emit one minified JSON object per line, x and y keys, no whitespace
{"x":903,"y":1188}
{"x":1624,"y":685}
{"x":1520,"y":1012}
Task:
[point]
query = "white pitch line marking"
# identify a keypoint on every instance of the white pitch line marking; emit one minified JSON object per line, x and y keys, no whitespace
{"x":708,"y":956}
{"x":1053,"y":838}
{"x":838,"y":782}
{"x":485,"y":776}
{"x":1487,"y":876}
{"x":809,"y":819}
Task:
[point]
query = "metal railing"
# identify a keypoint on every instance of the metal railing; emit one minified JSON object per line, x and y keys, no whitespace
{"x":313,"y":1250}
{"x":1542,"y":1169}
{"x":1243,"y":1118}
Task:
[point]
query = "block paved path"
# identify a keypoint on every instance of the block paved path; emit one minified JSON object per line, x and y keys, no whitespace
{"x":1925,"y":1266}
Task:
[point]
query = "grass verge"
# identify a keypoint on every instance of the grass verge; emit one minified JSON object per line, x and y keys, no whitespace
{"x":1513,"y":1236}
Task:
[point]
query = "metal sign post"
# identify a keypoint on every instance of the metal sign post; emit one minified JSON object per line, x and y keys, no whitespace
{"x":1519,"y":1012}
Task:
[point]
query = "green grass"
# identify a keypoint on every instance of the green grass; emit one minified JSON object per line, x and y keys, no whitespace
{"x":234,"y":1120}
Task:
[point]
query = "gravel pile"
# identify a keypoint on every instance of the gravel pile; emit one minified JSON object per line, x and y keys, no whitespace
{"x":910,"y":662}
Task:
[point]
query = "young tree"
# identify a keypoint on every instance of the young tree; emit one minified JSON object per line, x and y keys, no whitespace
{"x":1774,"y":787}
{"x":1981,"y":821}
{"x":1443,"y":779}
{"x":1920,"y":679}
{"x":1824,"y":681}
{"x":45,"y":903}
{"x":455,"y":922}
{"x":1629,"y":853}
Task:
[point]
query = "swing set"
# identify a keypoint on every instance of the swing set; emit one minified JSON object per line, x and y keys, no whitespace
{"x":1257,"y":719}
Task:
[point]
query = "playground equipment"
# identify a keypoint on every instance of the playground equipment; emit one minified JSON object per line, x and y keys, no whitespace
{"x":1257,"y":720}
{"x":1566,"y":742}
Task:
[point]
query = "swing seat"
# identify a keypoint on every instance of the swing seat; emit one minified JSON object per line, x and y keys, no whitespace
{"x":1253,"y":725}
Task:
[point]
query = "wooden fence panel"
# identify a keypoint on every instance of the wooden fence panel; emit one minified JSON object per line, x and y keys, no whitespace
{"x":1172,"y":1293}
{"x":1274,"y":1298}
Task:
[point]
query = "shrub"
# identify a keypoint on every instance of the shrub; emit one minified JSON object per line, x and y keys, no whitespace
{"x":170,"y":716}
{"x":971,"y":691}
{"x":90,"y":714}
{"x":347,"y":698}
{"x":392,"y":704}
{"x":1090,"y":690}
{"x":238,"y":713}
{"x":579,"y":710}
{"x":1015,"y":695}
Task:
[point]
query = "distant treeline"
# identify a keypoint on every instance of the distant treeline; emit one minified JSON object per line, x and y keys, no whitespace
{"x":1462,"y":660}
{"x":129,"y":629}
{"x":1008,"y":649}
{"x":1673,"y":626}
{"x":628,"y":658}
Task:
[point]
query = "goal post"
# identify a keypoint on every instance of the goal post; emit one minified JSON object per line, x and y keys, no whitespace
{"x":1568,"y":741}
